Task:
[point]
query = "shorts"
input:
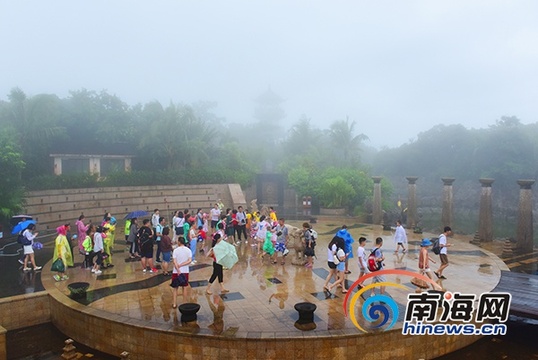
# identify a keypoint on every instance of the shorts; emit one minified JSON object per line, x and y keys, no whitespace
{"x":378,"y":279}
{"x":331,"y":265}
{"x":146,"y":253}
{"x":214,"y":223}
{"x":309,"y":252}
{"x":178,"y":230}
{"x":280,"y":247}
{"x":179,"y":280}
{"x":341,"y":266}
{"x":444,"y":259}
{"x":167,"y":256}
{"x":400,"y":243}
{"x":99,"y":260}
{"x":230,"y":231}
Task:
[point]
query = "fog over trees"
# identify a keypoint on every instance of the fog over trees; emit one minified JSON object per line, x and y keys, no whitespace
{"x":188,"y":143}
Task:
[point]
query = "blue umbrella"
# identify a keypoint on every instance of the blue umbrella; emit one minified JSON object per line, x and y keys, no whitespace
{"x":136,"y":214}
{"x":21,"y":226}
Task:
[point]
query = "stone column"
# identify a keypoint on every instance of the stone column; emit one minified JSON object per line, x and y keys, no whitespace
{"x":446,"y":215}
{"x":412,"y":217}
{"x":485,"y":218}
{"x":377,"y":216}
{"x":525,"y":240}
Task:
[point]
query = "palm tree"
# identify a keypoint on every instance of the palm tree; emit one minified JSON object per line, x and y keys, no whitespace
{"x":341,"y":135}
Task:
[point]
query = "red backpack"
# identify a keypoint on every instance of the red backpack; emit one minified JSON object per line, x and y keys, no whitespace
{"x":372,"y":264}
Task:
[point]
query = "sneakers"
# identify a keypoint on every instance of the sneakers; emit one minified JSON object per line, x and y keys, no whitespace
{"x":145,"y":270}
{"x":153,"y":270}
{"x":193,"y":263}
{"x":57,"y":277}
{"x":38,"y":268}
{"x":20,"y":262}
{"x":98,"y":272}
{"x":26,"y":269}
{"x":65,"y":277}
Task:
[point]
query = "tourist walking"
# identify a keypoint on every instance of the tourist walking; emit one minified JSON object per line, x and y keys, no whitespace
{"x":98,"y":250}
{"x":81,"y":232}
{"x":310,"y":244}
{"x":63,"y":246}
{"x":217,"y":268}
{"x":182,"y":257}
{"x":145,"y":244}
{"x":281,"y":241}
{"x":443,"y":256}
{"x":379,"y":258}
{"x":30,"y":235}
{"x":166,"y":250}
{"x":424,"y":259}
{"x":241,"y":227}
{"x":133,"y":239}
{"x":400,"y":237}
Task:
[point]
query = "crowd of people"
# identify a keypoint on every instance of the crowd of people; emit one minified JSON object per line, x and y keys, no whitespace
{"x":177,"y":245}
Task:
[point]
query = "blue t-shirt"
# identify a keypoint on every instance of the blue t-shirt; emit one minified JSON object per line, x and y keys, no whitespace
{"x":159,"y":229}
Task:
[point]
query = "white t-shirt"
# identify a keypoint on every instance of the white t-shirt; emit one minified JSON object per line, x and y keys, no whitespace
{"x":330,"y":253}
{"x":215,"y":214}
{"x":180,"y":255}
{"x":262,"y":229}
{"x":361,"y":256}
{"x":442,"y":241}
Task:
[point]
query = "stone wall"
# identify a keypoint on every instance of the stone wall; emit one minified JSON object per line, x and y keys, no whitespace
{"x":52,"y":208}
{"x":25,"y":310}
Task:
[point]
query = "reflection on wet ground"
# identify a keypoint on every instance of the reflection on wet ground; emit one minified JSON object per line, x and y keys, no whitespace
{"x":262,"y":294}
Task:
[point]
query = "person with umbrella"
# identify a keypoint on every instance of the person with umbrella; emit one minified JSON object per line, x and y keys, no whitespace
{"x":21,"y":225}
{"x":217,"y":268}
{"x":29,"y":234}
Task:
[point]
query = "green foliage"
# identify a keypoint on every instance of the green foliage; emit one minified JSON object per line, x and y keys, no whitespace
{"x":202,"y":175}
{"x":64,"y":181}
{"x":335,"y":193}
{"x":334,"y":187}
{"x":12,"y":165}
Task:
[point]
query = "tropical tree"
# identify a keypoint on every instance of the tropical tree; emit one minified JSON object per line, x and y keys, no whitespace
{"x":346,"y":144}
{"x":12,"y":165}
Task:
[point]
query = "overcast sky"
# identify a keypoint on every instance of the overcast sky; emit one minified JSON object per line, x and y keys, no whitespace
{"x":396,"y":67}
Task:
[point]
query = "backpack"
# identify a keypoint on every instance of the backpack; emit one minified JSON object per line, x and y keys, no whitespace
{"x":435,"y":245}
{"x":23,"y":240}
{"x":372,"y":264}
{"x":313,"y":237}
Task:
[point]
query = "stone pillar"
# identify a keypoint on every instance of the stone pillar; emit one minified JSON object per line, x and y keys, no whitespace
{"x":525,"y":236}
{"x":377,"y":216}
{"x":57,"y":166}
{"x":95,"y":165}
{"x":127,"y":164}
{"x":485,"y":218}
{"x":446,"y":215}
{"x":412,"y":217}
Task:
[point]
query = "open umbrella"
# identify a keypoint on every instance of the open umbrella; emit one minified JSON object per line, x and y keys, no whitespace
{"x":21,"y":226}
{"x":225,"y":254}
{"x":136,"y":214}
{"x":18,"y":218}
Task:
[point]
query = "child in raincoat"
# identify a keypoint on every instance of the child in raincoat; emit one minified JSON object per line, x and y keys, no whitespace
{"x":62,"y":251}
